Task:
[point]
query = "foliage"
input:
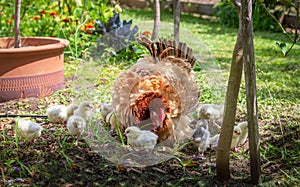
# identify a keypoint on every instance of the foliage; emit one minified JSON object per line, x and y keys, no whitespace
{"x":227,"y":13}
{"x":77,"y":21}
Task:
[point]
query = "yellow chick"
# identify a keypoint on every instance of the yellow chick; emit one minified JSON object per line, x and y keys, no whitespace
{"x":140,"y":138}
{"x":234,"y":142}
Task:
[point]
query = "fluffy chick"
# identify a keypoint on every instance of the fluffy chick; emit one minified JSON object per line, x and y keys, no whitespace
{"x":234,"y":142}
{"x":214,"y":141}
{"x":202,"y":123}
{"x":140,"y":138}
{"x":76,"y":125}
{"x":235,"y":136}
{"x":105,"y":109}
{"x":60,"y":113}
{"x":201,"y":138}
{"x":57,"y":114}
{"x":84,"y":110}
{"x":244,"y":134}
{"x":211,"y":112}
{"x":70,"y":109}
{"x":29,"y":129}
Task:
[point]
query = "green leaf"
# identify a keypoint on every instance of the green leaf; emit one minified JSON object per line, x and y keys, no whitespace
{"x":282,"y":47}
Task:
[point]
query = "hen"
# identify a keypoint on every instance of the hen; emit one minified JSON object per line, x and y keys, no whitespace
{"x":159,"y":91}
{"x":29,"y":129}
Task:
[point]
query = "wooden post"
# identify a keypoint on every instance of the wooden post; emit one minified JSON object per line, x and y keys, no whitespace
{"x":156,"y":21}
{"x":17,"y":32}
{"x":233,"y":87}
{"x":250,"y":80}
{"x":176,"y":12}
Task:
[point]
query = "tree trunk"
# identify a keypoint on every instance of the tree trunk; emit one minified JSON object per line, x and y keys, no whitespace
{"x":250,"y":80}
{"x":233,"y":87}
{"x":176,"y":12}
{"x":17,"y":33}
{"x":156,"y":21}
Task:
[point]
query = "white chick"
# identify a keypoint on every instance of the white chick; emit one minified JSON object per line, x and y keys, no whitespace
{"x":244,"y":135}
{"x":84,"y":110}
{"x":70,"y":109}
{"x":201,"y":138}
{"x":29,"y":129}
{"x":105,"y":110}
{"x":235,"y":136}
{"x":140,"y":138}
{"x":234,"y":142}
{"x":76,"y":125}
{"x":57,"y":114}
{"x":202,"y":123}
{"x":214,"y":141}
{"x":211,"y":112}
{"x":60,"y":113}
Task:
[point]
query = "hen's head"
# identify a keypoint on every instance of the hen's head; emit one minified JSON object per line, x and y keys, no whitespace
{"x":157,"y":112}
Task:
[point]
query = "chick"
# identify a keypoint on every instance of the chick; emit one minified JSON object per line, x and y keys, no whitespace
{"x":244,"y":135}
{"x":29,"y":129}
{"x":235,"y":137}
{"x":211,"y":112}
{"x":76,"y":125}
{"x":57,"y":114}
{"x":60,"y":113}
{"x":214,"y":141}
{"x":105,"y":110}
{"x":70,"y":109}
{"x":234,"y":142}
{"x":202,"y":123}
{"x":140,"y":138}
{"x":84,"y":110}
{"x":201,"y":138}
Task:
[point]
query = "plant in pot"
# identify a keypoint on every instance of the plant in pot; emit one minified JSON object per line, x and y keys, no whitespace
{"x":30,"y":66}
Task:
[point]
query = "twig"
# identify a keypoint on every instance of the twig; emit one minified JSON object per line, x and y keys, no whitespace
{"x":296,"y":29}
{"x":236,"y":3}
{"x":22,"y":116}
{"x":276,"y":20}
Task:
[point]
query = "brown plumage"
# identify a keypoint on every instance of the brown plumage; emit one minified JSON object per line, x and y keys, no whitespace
{"x":159,"y":91}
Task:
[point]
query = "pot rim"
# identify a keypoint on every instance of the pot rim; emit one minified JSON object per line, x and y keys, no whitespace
{"x":61,"y":43}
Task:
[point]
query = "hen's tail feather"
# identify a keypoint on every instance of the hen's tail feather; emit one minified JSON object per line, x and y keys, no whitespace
{"x":169,"y":49}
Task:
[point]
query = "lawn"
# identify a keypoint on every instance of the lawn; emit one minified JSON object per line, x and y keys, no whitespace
{"x":54,"y":159}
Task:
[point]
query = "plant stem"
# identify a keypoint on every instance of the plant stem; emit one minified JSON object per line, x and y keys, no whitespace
{"x":295,"y":40}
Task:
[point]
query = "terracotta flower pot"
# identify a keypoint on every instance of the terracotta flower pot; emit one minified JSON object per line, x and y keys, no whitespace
{"x":35,"y":70}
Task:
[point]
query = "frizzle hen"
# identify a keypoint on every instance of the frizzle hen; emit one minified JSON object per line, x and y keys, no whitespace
{"x":159,"y":91}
